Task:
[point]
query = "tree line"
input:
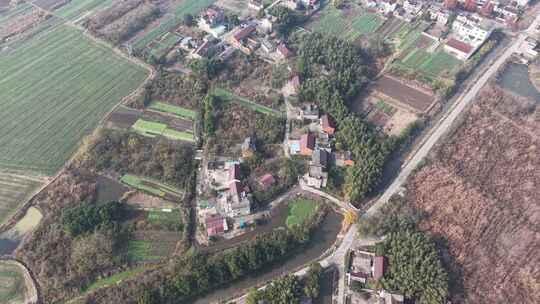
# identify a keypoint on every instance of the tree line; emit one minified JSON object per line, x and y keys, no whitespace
{"x":196,"y":274}
{"x":334,"y":73}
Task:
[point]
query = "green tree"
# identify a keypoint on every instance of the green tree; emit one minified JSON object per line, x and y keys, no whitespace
{"x":312,"y":281}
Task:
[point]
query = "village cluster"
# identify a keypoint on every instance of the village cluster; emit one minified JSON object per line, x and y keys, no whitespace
{"x":461,"y":28}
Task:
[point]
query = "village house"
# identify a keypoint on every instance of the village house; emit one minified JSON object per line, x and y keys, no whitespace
{"x":461,"y":50}
{"x":283,"y":52}
{"x":266,"y":24}
{"x":211,"y":21}
{"x":307,"y":144}
{"x":387,"y":6}
{"x":236,"y":202}
{"x":241,"y":39}
{"x":439,"y":14}
{"x":344,"y":159}
{"x":328,"y":125}
{"x":215,"y":225}
{"x":472,"y":29}
{"x":317,"y":175}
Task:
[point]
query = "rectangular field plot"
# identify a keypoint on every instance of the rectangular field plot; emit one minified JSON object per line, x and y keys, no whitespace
{"x":54,"y":89}
{"x":154,"y":129}
{"x":334,"y":22}
{"x":76,"y":9}
{"x":227,"y":95}
{"x":193,"y":7}
{"x":152,"y":245}
{"x":153,"y":187}
{"x":14,"y":191}
{"x":172,"y":109}
{"x":436,"y":64}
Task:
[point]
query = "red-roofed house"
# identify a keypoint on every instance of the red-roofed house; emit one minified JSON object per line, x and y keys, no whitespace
{"x":235,"y":188}
{"x":283,"y":51}
{"x":328,"y":124}
{"x":307,"y":144}
{"x":234,"y":172}
{"x":378,"y":267}
{"x":267,"y":181}
{"x":215,"y":224}
{"x":241,"y":40}
{"x":460,"y":49}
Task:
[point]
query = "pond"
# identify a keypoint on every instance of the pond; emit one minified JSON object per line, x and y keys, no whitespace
{"x":322,"y":240}
{"x":515,"y":78}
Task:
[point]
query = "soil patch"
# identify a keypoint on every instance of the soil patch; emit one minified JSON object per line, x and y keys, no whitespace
{"x":402,"y":93}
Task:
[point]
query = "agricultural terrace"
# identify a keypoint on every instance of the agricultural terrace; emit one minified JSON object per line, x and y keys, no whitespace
{"x":155,"y":129}
{"x":77,"y":9}
{"x":172,"y":109}
{"x":300,"y":210}
{"x":54,"y":90}
{"x":348,"y":25}
{"x":226,"y":95}
{"x":153,"y":187}
{"x":12,"y":284}
{"x":174,"y":19}
{"x":14,"y":191}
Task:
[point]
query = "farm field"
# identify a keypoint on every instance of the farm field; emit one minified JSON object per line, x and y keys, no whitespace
{"x":151,"y":245}
{"x":172,"y":109}
{"x":349,"y":26}
{"x":76,"y":9}
{"x":435,"y":64}
{"x":115,"y":278}
{"x":54,"y":90}
{"x":14,"y":191}
{"x":193,"y":7}
{"x":154,"y":129}
{"x":152,"y":187}
{"x":300,"y":210}
{"x":12,"y":285}
{"x":229,"y":96}
{"x":396,"y":91}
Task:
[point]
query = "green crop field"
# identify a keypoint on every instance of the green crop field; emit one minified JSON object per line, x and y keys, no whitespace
{"x":300,"y":210}
{"x":333,"y":22}
{"x":436,"y":64}
{"x":172,"y":109}
{"x":193,"y":7}
{"x":14,"y":191}
{"x":115,"y":279}
{"x":154,"y":129}
{"x":77,"y":8}
{"x":150,"y":185}
{"x":141,"y":250}
{"x":54,"y":89}
{"x":226,"y":95}
{"x":166,"y":220}
{"x":12,"y":286}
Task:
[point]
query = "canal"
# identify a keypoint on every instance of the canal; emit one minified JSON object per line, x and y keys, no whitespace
{"x":323,"y":239}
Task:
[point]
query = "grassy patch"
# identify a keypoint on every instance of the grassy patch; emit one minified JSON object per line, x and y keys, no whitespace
{"x":334,"y":23}
{"x":115,"y":279}
{"x":171,"y":221}
{"x":229,"y":96}
{"x":300,"y":210}
{"x":193,"y":7}
{"x":140,"y":250}
{"x":154,"y":129}
{"x":55,"y":89}
{"x":12,"y":288}
{"x":172,"y":109}
{"x":151,"y":186}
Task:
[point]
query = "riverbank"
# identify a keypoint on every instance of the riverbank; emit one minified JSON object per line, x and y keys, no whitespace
{"x":18,"y":286}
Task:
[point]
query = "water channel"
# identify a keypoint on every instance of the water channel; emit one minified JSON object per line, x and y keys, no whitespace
{"x":515,"y":78}
{"x":322,"y":240}
{"x":9,"y":240}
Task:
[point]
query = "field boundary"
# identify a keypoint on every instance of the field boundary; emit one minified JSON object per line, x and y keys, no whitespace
{"x":230,"y":96}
